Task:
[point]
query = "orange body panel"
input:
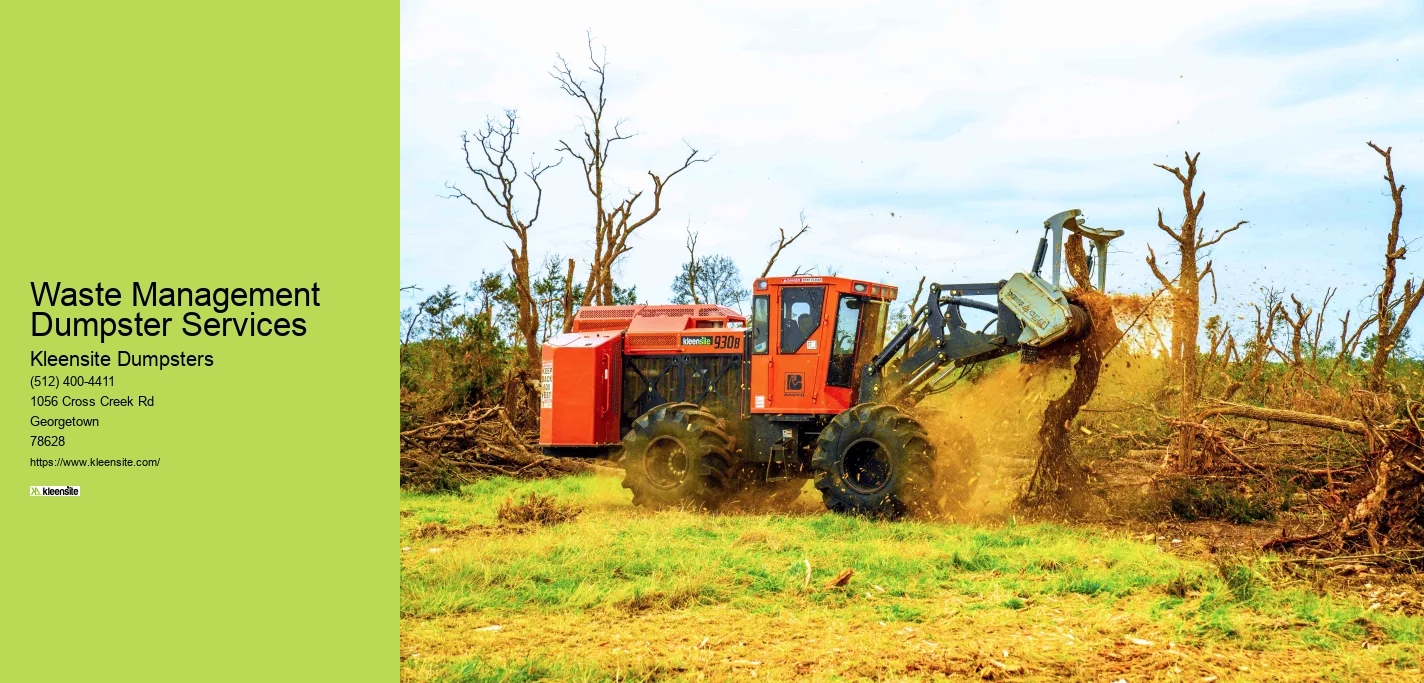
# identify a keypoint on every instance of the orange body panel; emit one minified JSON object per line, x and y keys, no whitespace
{"x":704,"y":328}
{"x":581,"y":389}
{"x":582,"y":376}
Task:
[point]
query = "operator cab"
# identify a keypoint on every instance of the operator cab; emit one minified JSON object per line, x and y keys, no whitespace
{"x":810,"y":337}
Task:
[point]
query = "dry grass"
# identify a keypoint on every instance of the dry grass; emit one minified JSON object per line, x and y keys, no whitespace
{"x":1056,"y":638}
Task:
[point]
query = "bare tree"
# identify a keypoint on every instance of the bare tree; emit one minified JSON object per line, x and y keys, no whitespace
{"x":1318,"y":328}
{"x":1297,"y":325}
{"x":569,"y":299}
{"x":1217,"y":332}
{"x":1186,"y":295}
{"x":1391,"y":315}
{"x":783,"y":243}
{"x":490,"y":160}
{"x":1348,"y":342}
{"x":1262,"y":342}
{"x":414,"y":316}
{"x":614,"y":221}
{"x":692,"y":263}
{"x":909,"y":311}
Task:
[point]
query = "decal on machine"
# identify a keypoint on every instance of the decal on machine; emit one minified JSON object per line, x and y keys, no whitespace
{"x":795,"y":384}
{"x":546,"y":386}
{"x":719,"y":342}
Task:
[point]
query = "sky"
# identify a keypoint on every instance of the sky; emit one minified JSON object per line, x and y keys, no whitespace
{"x":933,"y":139}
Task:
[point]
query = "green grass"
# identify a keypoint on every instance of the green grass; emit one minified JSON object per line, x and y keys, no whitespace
{"x":638,"y":560}
{"x":620,"y":562}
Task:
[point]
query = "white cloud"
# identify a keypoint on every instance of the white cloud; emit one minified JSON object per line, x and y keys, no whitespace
{"x":968,"y":120}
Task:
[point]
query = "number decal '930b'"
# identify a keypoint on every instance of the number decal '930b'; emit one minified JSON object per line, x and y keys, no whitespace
{"x":719,"y":342}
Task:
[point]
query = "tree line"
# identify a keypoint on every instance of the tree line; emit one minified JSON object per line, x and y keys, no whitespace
{"x":458,"y":343}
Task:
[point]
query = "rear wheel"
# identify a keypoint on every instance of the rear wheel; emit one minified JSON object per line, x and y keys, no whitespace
{"x":874,"y":460}
{"x":677,"y":454}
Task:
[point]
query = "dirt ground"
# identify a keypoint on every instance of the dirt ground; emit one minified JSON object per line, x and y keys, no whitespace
{"x":1060,"y":639}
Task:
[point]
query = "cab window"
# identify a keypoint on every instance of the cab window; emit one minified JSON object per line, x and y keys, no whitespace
{"x":761,"y":330}
{"x":800,"y":315}
{"x":841,"y":370}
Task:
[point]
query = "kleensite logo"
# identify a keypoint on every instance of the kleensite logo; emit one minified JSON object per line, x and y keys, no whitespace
{"x":54,"y":491}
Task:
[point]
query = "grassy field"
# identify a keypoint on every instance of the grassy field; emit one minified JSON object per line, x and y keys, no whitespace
{"x":620,"y":593}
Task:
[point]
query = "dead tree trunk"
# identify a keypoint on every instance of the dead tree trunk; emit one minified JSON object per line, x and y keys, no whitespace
{"x":568,"y":299}
{"x":1186,"y":296}
{"x":1392,"y":315}
{"x":1297,"y":325}
{"x":1060,"y":483}
{"x":692,"y":265}
{"x":498,"y":174}
{"x":1277,"y":415}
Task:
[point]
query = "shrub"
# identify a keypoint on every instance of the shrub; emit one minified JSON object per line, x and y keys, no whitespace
{"x":1193,"y":501}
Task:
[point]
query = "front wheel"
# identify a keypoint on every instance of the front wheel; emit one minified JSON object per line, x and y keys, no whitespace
{"x":874,"y":460}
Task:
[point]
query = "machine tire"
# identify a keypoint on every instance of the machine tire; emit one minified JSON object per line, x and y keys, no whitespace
{"x":677,"y":454}
{"x":874,"y":460}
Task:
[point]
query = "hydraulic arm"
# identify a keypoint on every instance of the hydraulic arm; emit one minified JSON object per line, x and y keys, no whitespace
{"x":1029,"y":313}
{"x":937,"y":340}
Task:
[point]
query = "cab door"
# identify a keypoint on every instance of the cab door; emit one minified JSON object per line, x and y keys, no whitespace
{"x":795,"y":370}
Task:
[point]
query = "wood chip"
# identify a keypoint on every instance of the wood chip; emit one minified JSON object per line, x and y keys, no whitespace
{"x":841,"y":579}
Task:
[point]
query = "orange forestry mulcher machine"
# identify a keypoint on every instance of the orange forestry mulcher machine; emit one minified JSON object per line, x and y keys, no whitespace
{"x":700,"y":402}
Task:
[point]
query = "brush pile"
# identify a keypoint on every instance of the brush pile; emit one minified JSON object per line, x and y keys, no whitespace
{"x":537,"y":510}
{"x":1380,"y":516}
{"x":442,"y":456}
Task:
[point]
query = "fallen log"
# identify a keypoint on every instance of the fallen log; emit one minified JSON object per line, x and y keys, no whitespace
{"x":1279,"y":415}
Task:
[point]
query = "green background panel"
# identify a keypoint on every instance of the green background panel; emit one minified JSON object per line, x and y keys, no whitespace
{"x":196,"y":144}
